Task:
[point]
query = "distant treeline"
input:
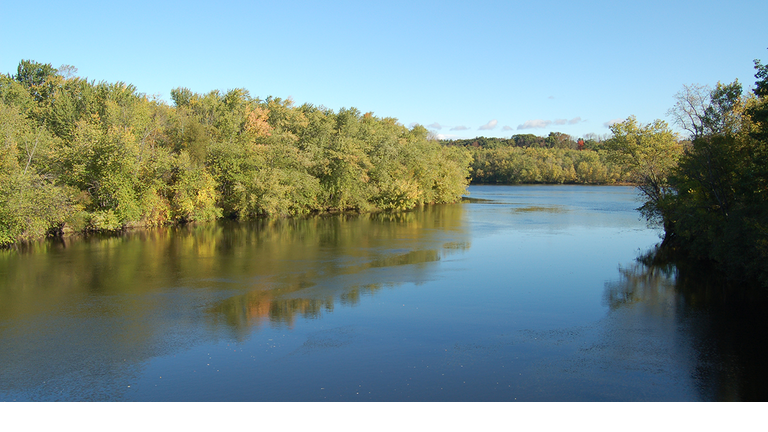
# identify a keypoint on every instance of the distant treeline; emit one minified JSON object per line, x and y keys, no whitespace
{"x":77,"y":155}
{"x":555,"y":159}
{"x":556,"y":140}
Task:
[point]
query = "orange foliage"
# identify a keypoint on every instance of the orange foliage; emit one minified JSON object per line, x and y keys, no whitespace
{"x":256,"y":123}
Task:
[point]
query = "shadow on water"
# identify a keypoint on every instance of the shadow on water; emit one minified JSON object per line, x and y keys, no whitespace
{"x":721,"y":322}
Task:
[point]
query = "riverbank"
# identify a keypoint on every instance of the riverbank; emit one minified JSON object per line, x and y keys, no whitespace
{"x":82,"y":156}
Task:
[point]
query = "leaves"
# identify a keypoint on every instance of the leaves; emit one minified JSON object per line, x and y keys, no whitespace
{"x":650,"y":152}
{"x":81,"y":155}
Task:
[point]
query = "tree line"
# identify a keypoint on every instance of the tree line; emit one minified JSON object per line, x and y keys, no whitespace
{"x":556,"y":140}
{"x":529,"y":159}
{"x":710,"y":192}
{"x":80,"y":155}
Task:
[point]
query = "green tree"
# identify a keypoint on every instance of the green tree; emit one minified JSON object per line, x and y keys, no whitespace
{"x":720,"y":206}
{"x":36,"y":77}
{"x":758,"y":112}
{"x":30,"y":203}
{"x":650,"y":152}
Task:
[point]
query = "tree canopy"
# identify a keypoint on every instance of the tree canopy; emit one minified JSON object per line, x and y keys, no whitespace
{"x":80,"y":155}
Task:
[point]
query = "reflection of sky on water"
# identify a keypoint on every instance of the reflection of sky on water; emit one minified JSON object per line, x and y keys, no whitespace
{"x":553,"y":208}
{"x":526,"y":293}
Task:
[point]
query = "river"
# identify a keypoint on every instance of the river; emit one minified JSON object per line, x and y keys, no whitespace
{"x":521,"y":293}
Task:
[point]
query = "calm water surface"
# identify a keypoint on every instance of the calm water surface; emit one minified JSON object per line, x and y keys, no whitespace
{"x":527,"y":293}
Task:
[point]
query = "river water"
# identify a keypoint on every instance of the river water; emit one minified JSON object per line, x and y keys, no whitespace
{"x":521,"y":293}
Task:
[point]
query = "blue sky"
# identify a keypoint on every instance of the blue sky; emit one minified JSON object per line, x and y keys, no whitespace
{"x":462,"y":69}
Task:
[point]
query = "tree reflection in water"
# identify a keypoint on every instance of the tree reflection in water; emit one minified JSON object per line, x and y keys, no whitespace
{"x":121,"y":301}
{"x":722,"y":321}
{"x":307,"y":295}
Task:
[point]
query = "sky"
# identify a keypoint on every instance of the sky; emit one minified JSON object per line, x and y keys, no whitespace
{"x":460,"y":69}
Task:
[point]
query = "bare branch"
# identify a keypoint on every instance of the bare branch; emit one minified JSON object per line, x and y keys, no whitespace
{"x":689,"y":111}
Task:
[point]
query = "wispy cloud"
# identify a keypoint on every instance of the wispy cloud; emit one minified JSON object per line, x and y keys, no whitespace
{"x":459,"y":128}
{"x":435,"y":125}
{"x":572,"y":121}
{"x":507,"y":128}
{"x":541,"y":124}
{"x":446,"y":136}
{"x":611,"y":122}
{"x":490,"y":125}
{"x":535,"y":124}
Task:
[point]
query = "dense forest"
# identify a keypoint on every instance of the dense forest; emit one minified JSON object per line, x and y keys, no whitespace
{"x":711,"y":194}
{"x":80,"y":156}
